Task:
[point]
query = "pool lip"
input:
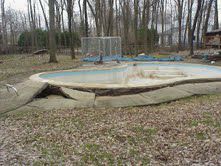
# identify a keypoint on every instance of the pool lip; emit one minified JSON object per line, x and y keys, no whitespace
{"x":36,"y":77}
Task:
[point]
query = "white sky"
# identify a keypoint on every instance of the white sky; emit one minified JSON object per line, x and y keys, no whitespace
{"x":22,"y":5}
{"x":17,"y":4}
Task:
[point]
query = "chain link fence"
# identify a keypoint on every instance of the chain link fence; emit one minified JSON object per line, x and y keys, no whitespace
{"x":102,"y":46}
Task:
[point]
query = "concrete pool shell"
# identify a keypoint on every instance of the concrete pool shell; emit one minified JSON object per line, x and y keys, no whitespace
{"x":129,"y":84}
{"x":130,"y":75}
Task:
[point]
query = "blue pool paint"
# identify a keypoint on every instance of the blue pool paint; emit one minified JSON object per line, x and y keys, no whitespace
{"x":113,"y":70}
{"x":83,"y":72}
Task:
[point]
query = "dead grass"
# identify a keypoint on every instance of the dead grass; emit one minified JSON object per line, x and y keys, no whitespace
{"x":185,"y":132}
{"x":17,"y":67}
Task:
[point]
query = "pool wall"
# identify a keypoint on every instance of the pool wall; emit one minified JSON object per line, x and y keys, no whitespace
{"x":119,"y":76}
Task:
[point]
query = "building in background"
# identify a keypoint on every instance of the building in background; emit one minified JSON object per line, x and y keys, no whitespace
{"x":213,"y":39}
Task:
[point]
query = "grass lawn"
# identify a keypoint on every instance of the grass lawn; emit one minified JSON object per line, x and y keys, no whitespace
{"x":183,"y":132}
{"x":14,"y":68}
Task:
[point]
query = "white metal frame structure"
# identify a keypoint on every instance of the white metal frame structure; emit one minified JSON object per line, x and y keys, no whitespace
{"x":101,"y":46}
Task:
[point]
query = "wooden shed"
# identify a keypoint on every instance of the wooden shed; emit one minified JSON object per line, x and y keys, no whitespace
{"x":213,"y":39}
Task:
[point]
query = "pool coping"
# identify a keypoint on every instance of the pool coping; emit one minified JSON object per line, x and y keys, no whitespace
{"x":154,"y":97}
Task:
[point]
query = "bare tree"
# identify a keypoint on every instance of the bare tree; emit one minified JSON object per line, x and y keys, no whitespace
{"x":199,"y":25}
{"x":96,"y":10}
{"x":116,"y":17}
{"x":45,"y":17}
{"x":4,"y":30}
{"x":127,"y":18}
{"x":216,"y":19}
{"x":144,"y":23}
{"x":194,"y":25}
{"x":187,"y":32}
{"x":52,"y":42}
{"x":136,"y":12}
{"x":32,"y":22}
{"x":162,"y":12}
{"x":125,"y":7}
{"x":205,"y":27}
{"x":110,"y":18}
{"x":85,"y":18}
{"x":70,"y":6}
{"x":180,"y":4}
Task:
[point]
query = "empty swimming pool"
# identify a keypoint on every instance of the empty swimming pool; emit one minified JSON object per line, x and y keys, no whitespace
{"x":130,"y":75}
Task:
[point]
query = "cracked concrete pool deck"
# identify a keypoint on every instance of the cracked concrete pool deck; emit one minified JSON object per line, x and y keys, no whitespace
{"x":28,"y":91}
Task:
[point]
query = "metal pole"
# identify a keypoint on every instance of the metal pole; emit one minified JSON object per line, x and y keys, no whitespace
{"x":120,"y":47}
{"x":82,"y":47}
{"x":110,"y":47}
{"x":99,"y":47}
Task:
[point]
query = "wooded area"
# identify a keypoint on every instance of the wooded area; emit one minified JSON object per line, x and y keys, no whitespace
{"x":142,"y":24}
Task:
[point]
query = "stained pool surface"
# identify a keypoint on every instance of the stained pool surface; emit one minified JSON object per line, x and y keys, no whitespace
{"x":130,"y":75}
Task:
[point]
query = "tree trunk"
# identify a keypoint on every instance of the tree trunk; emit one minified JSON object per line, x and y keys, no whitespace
{"x":180,"y":11}
{"x":58,"y":24}
{"x":116,"y":17}
{"x":96,"y":12}
{"x":194,"y":26}
{"x":32,"y":24}
{"x":110,"y":18}
{"x":52,"y":41}
{"x":156,"y":17}
{"x":199,"y":26}
{"x":4,"y":30}
{"x":136,"y":8}
{"x":70,"y":19}
{"x":205,"y":28}
{"x":62,"y":22}
{"x":126,"y":23}
{"x":85,"y":18}
{"x":216,"y":19}
{"x":190,"y":5}
{"x":162,"y":21}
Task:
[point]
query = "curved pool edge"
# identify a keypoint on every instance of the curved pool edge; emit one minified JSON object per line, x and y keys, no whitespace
{"x":36,"y":77}
{"x":153,"y":97}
